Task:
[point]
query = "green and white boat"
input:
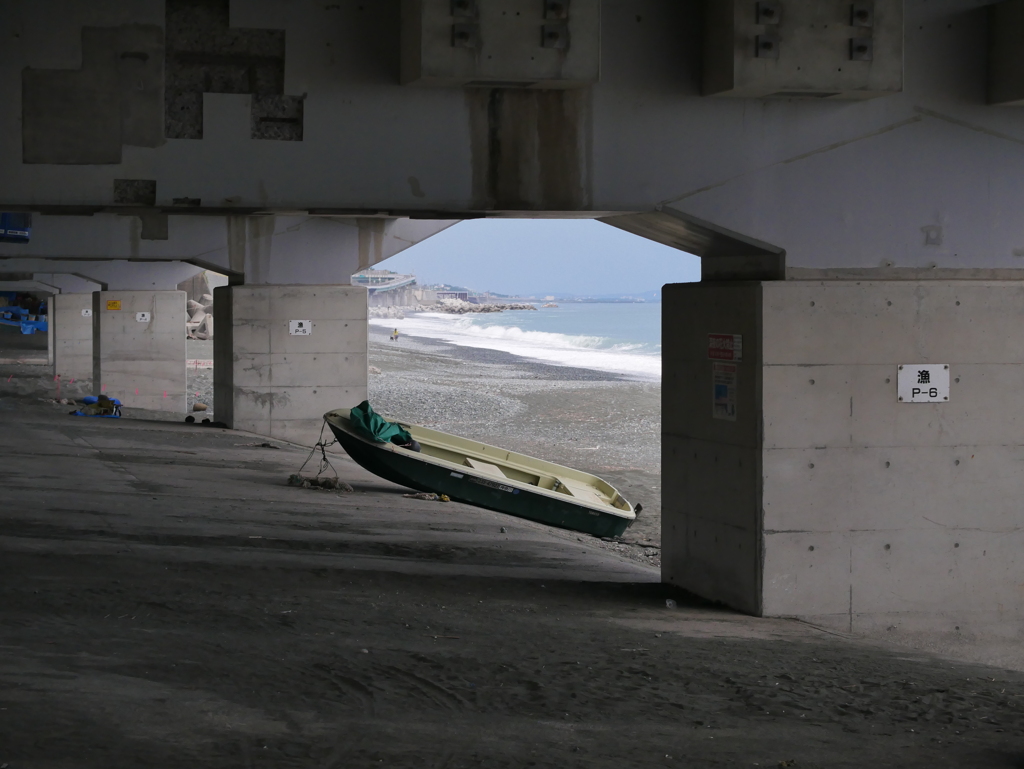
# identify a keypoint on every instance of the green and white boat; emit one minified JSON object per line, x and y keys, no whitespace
{"x":485,"y":476}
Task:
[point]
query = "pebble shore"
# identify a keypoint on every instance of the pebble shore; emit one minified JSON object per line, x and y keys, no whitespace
{"x":596,"y":422}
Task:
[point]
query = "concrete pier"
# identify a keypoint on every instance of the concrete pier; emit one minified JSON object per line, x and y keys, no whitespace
{"x":139,"y":348}
{"x":285,"y":355}
{"x":830,"y":494}
{"x":71,"y":336}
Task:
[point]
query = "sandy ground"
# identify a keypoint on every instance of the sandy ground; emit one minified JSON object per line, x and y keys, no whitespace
{"x":167,"y":601}
{"x":15,"y":346}
{"x":199,"y":382}
{"x":596,"y":422}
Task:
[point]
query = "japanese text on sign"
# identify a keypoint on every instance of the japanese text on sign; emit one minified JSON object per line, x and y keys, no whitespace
{"x":725,"y":347}
{"x":923,"y":383}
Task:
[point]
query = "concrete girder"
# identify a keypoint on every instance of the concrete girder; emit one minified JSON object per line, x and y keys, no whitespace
{"x":290,"y":250}
{"x":925,"y":178}
{"x":252,"y":249}
{"x":68,"y":283}
{"x":112,"y":274}
{"x":28,"y":286}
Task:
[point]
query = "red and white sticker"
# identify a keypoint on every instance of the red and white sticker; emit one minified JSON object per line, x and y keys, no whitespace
{"x":725,"y":347}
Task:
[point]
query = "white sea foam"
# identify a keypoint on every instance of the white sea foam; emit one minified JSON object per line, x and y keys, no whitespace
{"x":591,"y":352}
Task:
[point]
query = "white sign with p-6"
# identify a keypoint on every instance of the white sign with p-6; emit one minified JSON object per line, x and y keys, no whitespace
{"x":923,"y":383}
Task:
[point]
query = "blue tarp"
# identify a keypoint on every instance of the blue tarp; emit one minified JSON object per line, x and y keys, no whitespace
{"x":93,"y":403}
{"x":18,"y":317}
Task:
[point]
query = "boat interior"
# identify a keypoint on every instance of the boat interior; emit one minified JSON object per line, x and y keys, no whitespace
{"x":502,"y":464}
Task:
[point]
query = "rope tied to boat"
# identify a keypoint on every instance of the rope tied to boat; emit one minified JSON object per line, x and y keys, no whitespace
{"x":323,"y":463}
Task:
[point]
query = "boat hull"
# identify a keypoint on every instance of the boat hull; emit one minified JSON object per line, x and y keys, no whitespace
{"x":415,"y":473}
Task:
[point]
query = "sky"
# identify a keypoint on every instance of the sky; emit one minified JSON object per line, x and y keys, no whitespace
{"x":536,"y":257}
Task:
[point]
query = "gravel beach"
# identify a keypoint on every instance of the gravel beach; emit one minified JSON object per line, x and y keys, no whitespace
{"x":593,"y":421}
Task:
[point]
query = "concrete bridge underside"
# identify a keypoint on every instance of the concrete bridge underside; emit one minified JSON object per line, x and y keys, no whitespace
{"x":852,"y":184}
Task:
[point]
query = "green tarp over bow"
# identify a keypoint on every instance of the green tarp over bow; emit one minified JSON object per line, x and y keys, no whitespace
{"x":374,"y":427}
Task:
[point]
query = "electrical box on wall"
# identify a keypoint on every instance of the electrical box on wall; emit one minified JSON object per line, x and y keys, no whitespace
{"x":812,"y":49}
{"x":501,"y":43}
{"x":1006,"y":54}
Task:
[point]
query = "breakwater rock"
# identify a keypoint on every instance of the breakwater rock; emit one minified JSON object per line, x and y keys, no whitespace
{"x":451,"y":306}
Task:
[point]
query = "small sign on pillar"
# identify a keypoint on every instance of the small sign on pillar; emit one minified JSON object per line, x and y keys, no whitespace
{"x":923,"y":383}
{"x":723,"y":397}
{"x":300,"y":327}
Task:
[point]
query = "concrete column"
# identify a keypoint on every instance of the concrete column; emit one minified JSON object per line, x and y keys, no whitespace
{"x":270,"y":381}
{"x":138,"y":360}
{"x":823,"y":496}
{"x":71,"y":335}
{"x":50,"y":354}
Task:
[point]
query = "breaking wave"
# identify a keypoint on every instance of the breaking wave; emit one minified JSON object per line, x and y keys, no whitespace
{"x":640,"y":361}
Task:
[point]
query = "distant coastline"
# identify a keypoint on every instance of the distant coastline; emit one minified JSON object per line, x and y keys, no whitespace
{"x":645,"y":297}
{"x":539,"y":297}
{"x":595,"y":300}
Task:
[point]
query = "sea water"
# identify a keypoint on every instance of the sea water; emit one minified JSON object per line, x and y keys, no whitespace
{"x":618,"y":338}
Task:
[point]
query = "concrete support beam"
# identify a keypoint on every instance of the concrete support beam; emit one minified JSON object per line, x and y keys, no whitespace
{"x":271,"y":249}
{"x":68,"y":283}
{"x":122,"y":275}
{"x":71,"y":324}
{"x":137,"y":359}
{"x":28,"y":286}
{"x":275,"y":383}
{"x":827,"y":498}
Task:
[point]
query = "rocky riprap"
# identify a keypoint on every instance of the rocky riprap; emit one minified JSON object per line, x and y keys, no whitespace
{"x":450,"y":306}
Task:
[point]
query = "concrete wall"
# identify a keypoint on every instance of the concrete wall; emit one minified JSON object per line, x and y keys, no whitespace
{"x":50,"y":335}
{"x":142,"y":364}
{"x":711,"y":522}
{"x":875,"y":516}
{"x":71,"y":342}
{"x":270,"y":382}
